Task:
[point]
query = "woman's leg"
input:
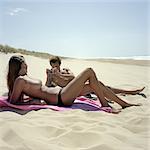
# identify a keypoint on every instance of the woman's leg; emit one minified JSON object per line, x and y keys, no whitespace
{"x":108,"y":93}
{"x":78,"y":86}
{"x":75,"y":87}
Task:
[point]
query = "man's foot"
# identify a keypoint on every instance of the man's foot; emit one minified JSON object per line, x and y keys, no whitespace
{"x":142,"y":94}
{"x":89,"y":95}
{"x":109,"y":101}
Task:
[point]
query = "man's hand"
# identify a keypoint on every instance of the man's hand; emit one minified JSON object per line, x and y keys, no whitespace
{"x":55,"y":72}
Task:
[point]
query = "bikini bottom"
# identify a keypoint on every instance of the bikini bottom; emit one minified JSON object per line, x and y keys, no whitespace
{"x":60,"y":102}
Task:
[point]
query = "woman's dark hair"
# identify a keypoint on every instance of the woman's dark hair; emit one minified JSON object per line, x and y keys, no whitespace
{"x":14,"y":67}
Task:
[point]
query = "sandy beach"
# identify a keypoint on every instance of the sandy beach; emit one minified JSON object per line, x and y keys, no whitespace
{"x":77,"y":129}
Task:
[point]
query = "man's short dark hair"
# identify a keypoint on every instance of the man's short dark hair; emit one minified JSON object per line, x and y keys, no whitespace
{"x":55,"y":59}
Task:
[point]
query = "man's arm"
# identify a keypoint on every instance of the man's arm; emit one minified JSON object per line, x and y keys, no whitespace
{"x":61,"y":78}
{"x":67,"y":73}
{"x":49,"y":82}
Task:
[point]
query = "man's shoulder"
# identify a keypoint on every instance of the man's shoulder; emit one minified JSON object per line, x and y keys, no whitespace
{"x":65,"y":70}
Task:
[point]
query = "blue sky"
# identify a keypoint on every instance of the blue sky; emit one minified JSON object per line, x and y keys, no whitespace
{"x":76,"y":28}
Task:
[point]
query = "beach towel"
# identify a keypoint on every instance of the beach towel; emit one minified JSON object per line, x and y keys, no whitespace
{"x":79,"y":103}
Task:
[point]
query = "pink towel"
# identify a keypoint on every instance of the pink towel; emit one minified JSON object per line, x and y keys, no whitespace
{"x":80,"y":103}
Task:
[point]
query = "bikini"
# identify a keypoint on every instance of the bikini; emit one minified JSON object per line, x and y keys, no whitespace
{"x":60,"y":102}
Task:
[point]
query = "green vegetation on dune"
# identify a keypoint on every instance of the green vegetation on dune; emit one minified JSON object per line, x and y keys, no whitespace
{"x":8,"y":49}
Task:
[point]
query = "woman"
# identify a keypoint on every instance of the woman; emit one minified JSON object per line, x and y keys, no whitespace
{"x":19,"y":83}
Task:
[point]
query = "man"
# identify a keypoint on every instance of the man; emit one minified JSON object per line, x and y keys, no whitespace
{"x":57,"y":76}
{"x":61,"y":77}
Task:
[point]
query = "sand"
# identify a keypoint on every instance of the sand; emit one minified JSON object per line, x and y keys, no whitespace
{"x":78,"y":129}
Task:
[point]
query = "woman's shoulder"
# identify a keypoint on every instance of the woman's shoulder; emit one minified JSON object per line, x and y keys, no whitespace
{"x":20,"y":79}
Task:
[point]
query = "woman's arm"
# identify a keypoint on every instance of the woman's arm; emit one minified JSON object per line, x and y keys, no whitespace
{"x":17,"y":91}
{"x":33,"y":102}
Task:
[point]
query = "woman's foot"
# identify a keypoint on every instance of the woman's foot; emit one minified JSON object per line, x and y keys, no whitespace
{"x":110,"y":109}
{"x":137,"y":91}
{"x":115,"y":111}
{"x":129,"y":105}
{"x":134,"y":92}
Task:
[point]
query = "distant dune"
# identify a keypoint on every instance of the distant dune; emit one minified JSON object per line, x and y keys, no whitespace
{"x":8,"y":49}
